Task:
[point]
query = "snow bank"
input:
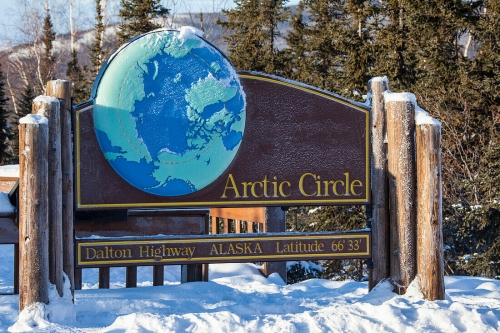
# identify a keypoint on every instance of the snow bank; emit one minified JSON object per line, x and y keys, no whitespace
{"x":60,"y":310}
{"x":239,"y":299}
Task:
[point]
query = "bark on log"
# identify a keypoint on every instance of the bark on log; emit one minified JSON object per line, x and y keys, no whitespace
{"x":401,"y":173}
{"x":61,"y":90}
{"x":49,"y":107}
{"x":33,"y":214}
{"x":430,"y":264}
{"x":275,"y":222}
{"x":379,"y":185}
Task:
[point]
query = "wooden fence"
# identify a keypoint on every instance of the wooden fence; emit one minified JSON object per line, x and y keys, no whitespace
{"x":406,"y":233}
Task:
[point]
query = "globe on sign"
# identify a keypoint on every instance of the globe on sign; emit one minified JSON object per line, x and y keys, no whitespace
{"x":169,"y":112}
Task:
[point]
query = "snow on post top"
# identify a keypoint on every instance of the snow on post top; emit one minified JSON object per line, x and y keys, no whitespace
{"x":421,"y":116}
{"x":399,"y":97}
{"x":40,"y":101}
{"x":9,"y":170}
{"x":382,"y":79}
{"x":187,"y":32}
{"x":45,"y":99}
{"x":34,"y":119}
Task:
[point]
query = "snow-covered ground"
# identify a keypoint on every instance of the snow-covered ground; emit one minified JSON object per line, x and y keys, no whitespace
{"x":239,"y":299}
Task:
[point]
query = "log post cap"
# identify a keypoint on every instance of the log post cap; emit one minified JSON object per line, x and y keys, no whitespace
{"x":46,"y":106}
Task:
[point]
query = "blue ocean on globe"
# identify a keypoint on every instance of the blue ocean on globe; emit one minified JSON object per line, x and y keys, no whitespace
{"x":169,"y":112}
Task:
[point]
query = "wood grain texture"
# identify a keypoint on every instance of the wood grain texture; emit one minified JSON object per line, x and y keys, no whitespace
{"x":61,"y":89}
{"x":401,"y":173}
{"x":249,"y":214}
{"x":33,"y":214}
{"x":379,"y":186}
{"x":49,"y":107}
{"x":275,"y":222}
{"x":430,"y":264}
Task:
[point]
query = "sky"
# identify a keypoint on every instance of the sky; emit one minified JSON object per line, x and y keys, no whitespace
{"x":238,"y":298}
{"x":9,"y":10}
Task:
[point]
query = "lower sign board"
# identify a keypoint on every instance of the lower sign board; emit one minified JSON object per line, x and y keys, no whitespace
{"x":101,"y":252}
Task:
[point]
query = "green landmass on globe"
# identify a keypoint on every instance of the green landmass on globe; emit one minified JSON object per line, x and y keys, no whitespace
{"x":169,"y":112}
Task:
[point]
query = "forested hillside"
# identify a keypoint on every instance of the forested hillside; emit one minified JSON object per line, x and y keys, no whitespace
{"x":446,"y":52}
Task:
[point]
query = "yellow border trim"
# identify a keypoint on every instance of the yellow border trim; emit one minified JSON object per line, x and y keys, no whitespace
{"x":311,"y":90}
{"x":366,"y":236}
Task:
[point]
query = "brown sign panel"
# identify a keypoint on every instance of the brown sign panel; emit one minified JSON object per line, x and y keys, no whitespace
{"x":221,"y":249}
{"x":301,"y":146}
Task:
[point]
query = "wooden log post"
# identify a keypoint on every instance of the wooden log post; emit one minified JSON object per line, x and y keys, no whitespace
{"x":49,"y":107}
{"x":275,"y":221}
{"x":61,"y":89}
{"x":401,"y":172}
{"x":33,"y":211}
{"x":131,"y":276}
{"x":215,"y":225}
{"x":379,"y":185}
{"x":430,"y":264}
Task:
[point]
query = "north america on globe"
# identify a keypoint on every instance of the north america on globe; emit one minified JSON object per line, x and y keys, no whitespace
{"x":169,"y":112}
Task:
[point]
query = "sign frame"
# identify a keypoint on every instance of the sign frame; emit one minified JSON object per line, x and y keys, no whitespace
{"x":164,"y":202}
{"x":225,"y":248}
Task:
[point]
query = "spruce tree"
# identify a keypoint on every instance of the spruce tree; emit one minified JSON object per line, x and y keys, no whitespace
{"x":472,"y":144}
{"x":24,"y":108}
{"x":336,"y":47}
{"x":26,"y":101}
{"x":5,"y":127}
{"x":47,"y":64}
{"x":138,"y":17}
{"x":395,"y":55}
{"x":253,"y":30}
{"x":296,"y":53}
{"x":78,"y":79}
{"x":96,"y":52}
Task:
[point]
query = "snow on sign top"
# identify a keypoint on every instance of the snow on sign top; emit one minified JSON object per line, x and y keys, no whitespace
{"x":180,"y":108}
{"x":180,"y":127}
{"x":189,"y":32}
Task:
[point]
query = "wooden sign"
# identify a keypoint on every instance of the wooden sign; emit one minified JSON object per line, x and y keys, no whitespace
{"x":195,"y":133}
{"x":95,"y":252}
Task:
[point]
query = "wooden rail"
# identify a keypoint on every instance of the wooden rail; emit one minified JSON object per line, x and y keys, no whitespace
{"x":146,"y":222}
{"x":251,"y":219}
{"x":238,"y":220}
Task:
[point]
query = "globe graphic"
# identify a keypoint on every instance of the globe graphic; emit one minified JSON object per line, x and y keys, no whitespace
{"x":169,"y":112}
